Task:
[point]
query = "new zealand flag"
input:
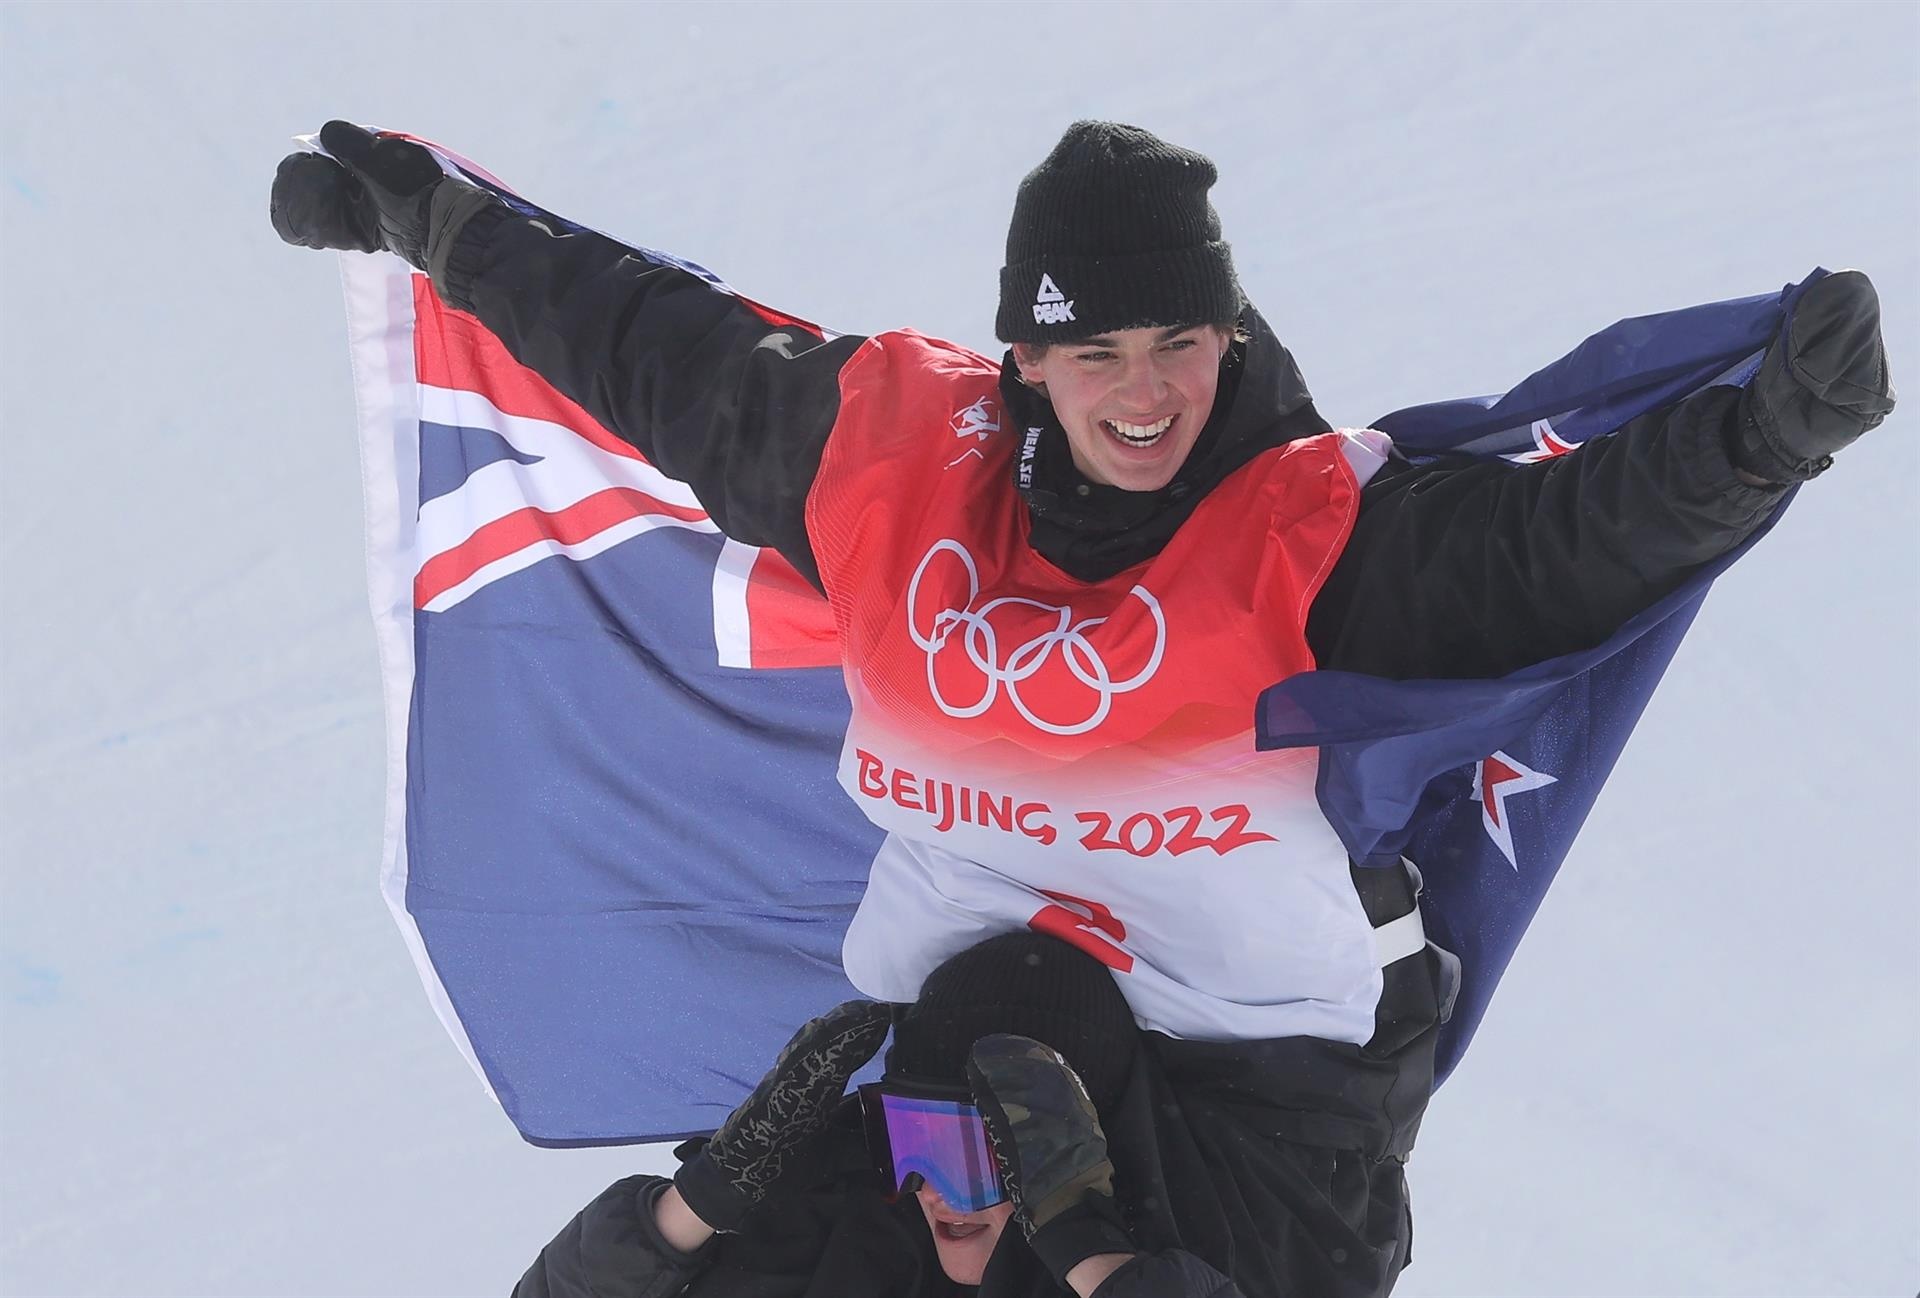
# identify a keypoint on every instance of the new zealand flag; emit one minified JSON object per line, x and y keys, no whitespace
{"x":614,"y":841}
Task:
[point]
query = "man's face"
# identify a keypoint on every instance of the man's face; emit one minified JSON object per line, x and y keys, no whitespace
{"x":964,"y":1240}
{"x":1131,"y":401}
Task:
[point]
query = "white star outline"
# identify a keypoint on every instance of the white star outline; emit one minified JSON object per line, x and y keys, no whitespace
{"x":1510,"y":776}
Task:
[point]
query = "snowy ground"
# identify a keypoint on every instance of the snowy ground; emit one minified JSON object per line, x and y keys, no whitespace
{"x":220,"y":1076}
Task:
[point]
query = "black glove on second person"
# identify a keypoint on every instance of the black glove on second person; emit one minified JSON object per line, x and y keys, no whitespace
{"x":1051,"y":1151}
{"x":375,"y":192}
{"x":793,"y":1103}
{"x":1821,"y":385}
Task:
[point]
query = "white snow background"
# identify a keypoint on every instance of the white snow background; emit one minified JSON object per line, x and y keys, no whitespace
{"x":1702,"y":1074}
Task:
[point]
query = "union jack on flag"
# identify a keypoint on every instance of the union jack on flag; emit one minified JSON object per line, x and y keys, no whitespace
{"x":615,"y":844}
{"x":566,"y":487}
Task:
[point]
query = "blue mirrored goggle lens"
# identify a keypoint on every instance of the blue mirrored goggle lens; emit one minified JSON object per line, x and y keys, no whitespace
{"x":944,"y":1142}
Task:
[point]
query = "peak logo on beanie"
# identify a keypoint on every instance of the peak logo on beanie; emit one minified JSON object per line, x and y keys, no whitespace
{"x":1051,"y":306}
{"x":1123,"y":216}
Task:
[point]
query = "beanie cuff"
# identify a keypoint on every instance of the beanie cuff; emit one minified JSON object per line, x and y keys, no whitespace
{"x":1054,"y":298}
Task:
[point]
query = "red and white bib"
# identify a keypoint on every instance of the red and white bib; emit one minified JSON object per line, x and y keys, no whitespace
{"x":1078,"y":756}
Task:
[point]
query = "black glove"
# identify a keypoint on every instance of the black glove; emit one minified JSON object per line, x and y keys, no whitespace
{"x":794,"y":1102}
{"x":375,"y":192}
{"x":1051,"y":1152}
{"x":1822,"y":383}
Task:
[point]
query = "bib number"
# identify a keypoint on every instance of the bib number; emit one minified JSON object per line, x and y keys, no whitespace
{"x":1085,"y":924}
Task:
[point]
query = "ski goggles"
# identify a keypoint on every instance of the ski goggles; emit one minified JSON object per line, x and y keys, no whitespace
{"x":934,"y":1134}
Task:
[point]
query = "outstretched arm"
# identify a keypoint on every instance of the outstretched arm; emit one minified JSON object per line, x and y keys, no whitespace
{"x":710,"y":389}
{"x":1477,"y":568}
{"x":701,"y":383}
{"x":1474,"y":568}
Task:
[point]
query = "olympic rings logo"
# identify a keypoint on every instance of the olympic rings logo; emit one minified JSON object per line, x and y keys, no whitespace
{"x":981,"y":642}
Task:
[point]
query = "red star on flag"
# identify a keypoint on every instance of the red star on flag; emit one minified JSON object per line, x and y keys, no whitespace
{"x":1547,"y":444}
{"x":1496,"y":779}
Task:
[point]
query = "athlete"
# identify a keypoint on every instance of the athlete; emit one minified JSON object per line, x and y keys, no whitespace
{"x":1061,"y":579}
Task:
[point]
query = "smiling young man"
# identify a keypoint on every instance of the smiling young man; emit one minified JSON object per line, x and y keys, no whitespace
{"x":1131,"y":403}
{"x":1062,"y":580}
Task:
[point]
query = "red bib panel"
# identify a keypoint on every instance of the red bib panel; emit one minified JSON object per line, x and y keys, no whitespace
{"x":952,"y":626}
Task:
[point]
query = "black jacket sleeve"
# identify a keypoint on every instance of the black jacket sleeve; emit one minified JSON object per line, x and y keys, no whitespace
{"x":612,"y":1247}
{"x":1172,"y":1274}
{"x":1476,"y":568}
{"x":1087,"y":1231}
{"x":711,"y":391}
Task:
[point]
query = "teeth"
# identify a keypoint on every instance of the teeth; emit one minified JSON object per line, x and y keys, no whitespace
{"x":1139,"y":434}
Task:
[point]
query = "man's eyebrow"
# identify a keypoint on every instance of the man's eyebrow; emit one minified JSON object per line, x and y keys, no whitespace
{"x":1164,"y":336}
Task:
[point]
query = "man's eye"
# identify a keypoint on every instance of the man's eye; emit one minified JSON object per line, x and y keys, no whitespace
{"x":1094,"y":356}
{"x":1181,"y":344}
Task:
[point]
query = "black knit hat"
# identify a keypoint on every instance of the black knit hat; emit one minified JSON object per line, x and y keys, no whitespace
{"x":1114,"y":231}
{"x":1033,"y":986}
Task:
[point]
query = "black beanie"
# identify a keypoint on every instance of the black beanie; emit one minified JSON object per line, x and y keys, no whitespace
{"x":1032,"y":986}
{"x":1114,"y":231}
